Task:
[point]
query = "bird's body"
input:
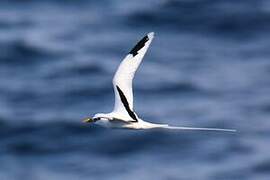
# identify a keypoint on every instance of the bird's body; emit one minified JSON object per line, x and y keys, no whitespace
{"x":119,"y":123}
{"x":114,"y":120}
{"x":123,"y":114}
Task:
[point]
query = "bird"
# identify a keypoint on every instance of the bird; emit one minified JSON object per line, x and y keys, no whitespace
{"x":123,"y":114}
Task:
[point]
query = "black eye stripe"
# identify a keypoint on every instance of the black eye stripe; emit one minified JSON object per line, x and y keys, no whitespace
{"x":96,"y":119}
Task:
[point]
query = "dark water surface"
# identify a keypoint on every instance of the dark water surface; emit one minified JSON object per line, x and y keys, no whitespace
{"x":209,"y":66}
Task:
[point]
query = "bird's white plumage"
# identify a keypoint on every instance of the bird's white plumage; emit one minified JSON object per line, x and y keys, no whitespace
{"x":123,"y":115}
{"x":123,"y":78}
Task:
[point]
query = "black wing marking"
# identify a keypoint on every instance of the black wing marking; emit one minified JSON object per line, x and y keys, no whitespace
{"x":126,"y":105}
{"x":139,"y":46}
{"x":121,"y":121}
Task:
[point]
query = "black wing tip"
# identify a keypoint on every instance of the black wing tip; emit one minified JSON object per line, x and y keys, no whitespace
{"x":141,"y":43}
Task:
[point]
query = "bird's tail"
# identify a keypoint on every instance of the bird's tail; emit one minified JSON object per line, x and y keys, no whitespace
{"x":196,"y":129}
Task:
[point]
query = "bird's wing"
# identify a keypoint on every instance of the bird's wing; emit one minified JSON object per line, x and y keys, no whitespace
{"x":122,"y":81}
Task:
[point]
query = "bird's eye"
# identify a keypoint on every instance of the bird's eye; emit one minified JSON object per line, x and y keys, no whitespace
{"x":96,"y":119}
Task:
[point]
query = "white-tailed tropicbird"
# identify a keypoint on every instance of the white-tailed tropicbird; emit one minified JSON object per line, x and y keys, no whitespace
{"x":123,"y":115}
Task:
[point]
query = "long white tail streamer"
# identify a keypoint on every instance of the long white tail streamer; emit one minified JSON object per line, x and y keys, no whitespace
{"x":198,"y":129}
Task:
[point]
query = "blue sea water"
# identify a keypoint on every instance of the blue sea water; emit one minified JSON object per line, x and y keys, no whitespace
{"x":208,"y":66}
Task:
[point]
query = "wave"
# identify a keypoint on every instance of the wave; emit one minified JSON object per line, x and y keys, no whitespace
{"x":63,"y":137}
{"x":204,"y":15}
{"x":21,"y":52}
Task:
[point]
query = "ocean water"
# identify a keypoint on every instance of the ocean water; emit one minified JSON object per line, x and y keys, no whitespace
{"x":208,"y":66}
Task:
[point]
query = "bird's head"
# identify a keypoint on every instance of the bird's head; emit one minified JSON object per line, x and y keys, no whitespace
{"x":96,"y":117}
